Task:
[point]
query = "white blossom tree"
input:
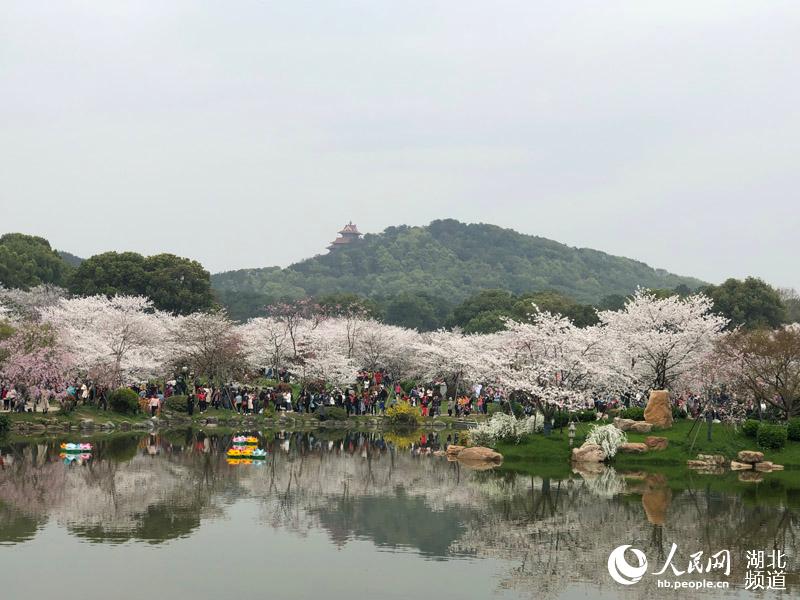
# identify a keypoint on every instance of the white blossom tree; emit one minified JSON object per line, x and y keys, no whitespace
{"x":266,"y":343}
{"x":28,"y":304}
{"x":550,"y":361}
{"x":209,"y":344}
{"x":654,"y":341}
{"x":117,"y":340}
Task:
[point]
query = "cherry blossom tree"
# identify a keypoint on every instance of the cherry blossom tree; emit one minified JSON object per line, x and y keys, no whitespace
{"x":209,"y":344}
{"x":33,"y":359}
{"x":325,"y":358}
{"x":266,"y":343}
{"x":298,"y":318}
{"x":119,"y":339}
{"x":458,"y":359}
{"x":765,"y":366}
{"x":389,"y":347}
{"x":28,"y":304}
{"x":654,"y":341}
{"x":551,"y":362}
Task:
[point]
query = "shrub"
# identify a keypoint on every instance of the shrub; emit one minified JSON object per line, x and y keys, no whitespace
{"x":750,"y":427}
{"x":793,"y":429}
{"x":504,"y":428}
{"x":331,"y":413}
{"x":492,"y":408}
{"x":176,"y":404}
{"x":124,"y":400}
{"x":560,"y":419}
{"x":403,"y":416}
{"x":5,"y":424}
{"x":587,"y":415}
{"x":678,"y":412}
{"x":635,"y":413}
{"x":517,"y":409}
{"x":771,"y":436}
{"x":608,"y":437}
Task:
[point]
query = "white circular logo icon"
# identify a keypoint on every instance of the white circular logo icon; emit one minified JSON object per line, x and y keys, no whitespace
{"x":621,"y":570}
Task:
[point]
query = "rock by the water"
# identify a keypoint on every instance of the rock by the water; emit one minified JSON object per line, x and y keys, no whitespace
{"x":715,"y":459}
{"x":765,"y":466}
{"x":633,"y":448}
{"x":453,"y":449}
{"x":588,"y":453}
{"x":656,"y":443}
{"x":480,"y":453}
{"x":740,"y":466}
{"x":750,"y":456}
{"x":659,"y":411}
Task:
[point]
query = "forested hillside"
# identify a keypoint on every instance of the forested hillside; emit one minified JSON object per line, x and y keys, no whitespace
{"x":451,"y":260}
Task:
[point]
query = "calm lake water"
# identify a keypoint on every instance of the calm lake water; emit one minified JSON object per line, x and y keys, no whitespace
{"x":339,"y":517}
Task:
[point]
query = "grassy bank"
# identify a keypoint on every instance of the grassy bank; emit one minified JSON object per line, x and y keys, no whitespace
{"x":36,"y":423}
{"x":683,"y":445}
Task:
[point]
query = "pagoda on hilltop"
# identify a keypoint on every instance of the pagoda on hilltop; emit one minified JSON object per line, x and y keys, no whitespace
{"x":348,"y":234}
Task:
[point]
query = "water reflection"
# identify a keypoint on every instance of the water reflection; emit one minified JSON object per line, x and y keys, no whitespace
{"x":395,"y":493}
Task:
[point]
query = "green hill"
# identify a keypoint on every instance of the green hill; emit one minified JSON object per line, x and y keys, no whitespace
{"x":449,"y":260}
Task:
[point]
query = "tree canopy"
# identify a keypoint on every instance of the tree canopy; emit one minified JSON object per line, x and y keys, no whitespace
{"x":174,"y":284}
{"x":750,"y":303}
{"x":27,"y":261}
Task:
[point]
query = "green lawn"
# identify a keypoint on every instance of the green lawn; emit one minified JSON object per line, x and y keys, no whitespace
{"x":683,"y":445}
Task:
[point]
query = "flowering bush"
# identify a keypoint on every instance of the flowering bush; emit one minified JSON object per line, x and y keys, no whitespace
{"x":504,"y":428}
{"x":403,"y":416}
{"x":608,"y":437}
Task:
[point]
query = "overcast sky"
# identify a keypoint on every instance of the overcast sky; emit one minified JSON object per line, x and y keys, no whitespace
{"x":245,"y":133}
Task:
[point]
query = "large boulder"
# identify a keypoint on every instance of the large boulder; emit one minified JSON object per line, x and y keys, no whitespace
{"x":631,"y":425}
{"x":714,"y":459}
{"x":454,"y":449}
{"x":750,"y":456}
{"x":641,"y":427}
{"x":659,"y":411}
{"x":479,"y":453}
{"x":588,"y":453}
{"x":633,"y":448}
{"x":656,"y":443}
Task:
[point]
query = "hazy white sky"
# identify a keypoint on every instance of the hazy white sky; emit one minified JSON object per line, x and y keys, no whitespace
{"x":245,"y":133}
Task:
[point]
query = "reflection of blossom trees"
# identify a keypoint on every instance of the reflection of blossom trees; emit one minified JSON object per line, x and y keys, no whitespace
{"x":554,"y":533}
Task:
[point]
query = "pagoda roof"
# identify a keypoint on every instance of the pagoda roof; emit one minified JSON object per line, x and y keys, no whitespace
{"x":350,"y":228}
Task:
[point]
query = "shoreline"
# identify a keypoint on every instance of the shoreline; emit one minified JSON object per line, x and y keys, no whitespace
{"x":86,"y":420}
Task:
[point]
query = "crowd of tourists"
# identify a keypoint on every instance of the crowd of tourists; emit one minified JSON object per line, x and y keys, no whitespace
{"x":372,"y":394}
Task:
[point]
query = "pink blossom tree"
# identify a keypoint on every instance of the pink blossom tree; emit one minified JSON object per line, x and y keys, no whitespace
{"x":119,"y":339}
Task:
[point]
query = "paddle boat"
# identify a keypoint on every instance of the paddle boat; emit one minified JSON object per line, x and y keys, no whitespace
{"x":76,"y":448}
{"x":241,"y":440}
